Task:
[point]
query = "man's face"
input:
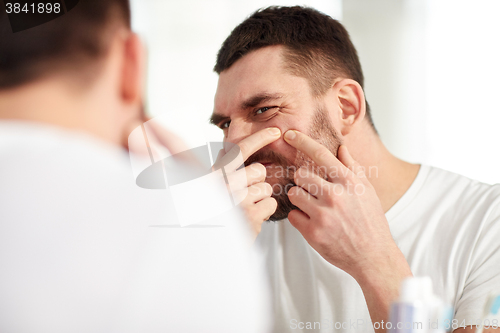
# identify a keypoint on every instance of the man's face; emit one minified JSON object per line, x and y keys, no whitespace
{"x":255,"y":93}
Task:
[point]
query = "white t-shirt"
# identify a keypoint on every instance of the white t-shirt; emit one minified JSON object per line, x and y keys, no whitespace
{"x":83,"y":249}
{"x":446,"y":225}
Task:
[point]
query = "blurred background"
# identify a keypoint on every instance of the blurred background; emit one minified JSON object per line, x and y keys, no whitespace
{"x":431,"y":71}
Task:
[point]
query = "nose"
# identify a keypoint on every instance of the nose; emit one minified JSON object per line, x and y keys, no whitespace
{"x":239,"y":130}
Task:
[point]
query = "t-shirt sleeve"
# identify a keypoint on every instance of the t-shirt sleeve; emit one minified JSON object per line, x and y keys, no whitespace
{"x":483,"y":275}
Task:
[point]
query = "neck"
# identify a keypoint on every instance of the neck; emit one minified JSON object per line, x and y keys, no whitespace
{"x":54,"y":101}
{"x":390,"y":176}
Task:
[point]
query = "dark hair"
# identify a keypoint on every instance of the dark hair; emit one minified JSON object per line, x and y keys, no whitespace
{"x":72,"y":41}
{"x":317,"y":47}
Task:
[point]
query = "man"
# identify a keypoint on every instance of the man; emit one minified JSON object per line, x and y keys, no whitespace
{"x":82,"y":248}
{"x":352,"y":219}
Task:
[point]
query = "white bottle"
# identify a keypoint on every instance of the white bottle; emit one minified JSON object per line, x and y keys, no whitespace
{"x":418,"y":309}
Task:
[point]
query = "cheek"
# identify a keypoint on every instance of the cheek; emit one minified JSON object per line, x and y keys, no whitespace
{"x":282,"y":147}
{"x":285,"y":125}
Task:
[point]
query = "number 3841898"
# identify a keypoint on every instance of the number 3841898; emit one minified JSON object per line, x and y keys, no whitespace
{"x":34,"y":8}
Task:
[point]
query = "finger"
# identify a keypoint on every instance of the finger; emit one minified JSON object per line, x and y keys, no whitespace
{"x":299,"y":220}
{"x":258,"y":140}
{"x":129,"y":128}
{"x":142,"y":144}
{"x":345,"y":157}
{"x":315,"y":151}
{"x":264,"y":209}
{"x":301,"y":198}
{"x":257,"y":192}
{"x":252,"y":174}
{"x":166,"y":138}
{"x":310,"y":181}
{"x":133,"y":139}
{"x":248,"y":146}
{"x":158,"y":136}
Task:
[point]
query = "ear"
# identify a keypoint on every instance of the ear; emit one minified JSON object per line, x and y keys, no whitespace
{"x":352,"y":104}
{"x":132,"y":84}
{"x":133,"y":71}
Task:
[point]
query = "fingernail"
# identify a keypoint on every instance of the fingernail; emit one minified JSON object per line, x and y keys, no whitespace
{"x":290,"y":135}
{"x":274,"y":131}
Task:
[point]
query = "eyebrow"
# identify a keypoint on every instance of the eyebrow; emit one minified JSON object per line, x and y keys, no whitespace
{"x":255,"y":100}
{"x":216,"y":119}
{"x":248,"y":103}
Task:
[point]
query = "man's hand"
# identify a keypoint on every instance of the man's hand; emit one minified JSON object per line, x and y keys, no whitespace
{"x":248,"y":184}
{"x":342,"y":219}
{"x":157,"y":137}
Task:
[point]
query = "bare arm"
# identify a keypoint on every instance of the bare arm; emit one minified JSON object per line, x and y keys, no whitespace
{"x":346,"y":225}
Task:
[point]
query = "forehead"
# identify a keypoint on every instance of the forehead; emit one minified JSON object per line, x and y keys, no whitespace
{"x":259,"y":72}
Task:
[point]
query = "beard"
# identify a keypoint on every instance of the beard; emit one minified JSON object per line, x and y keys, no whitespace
{"x":322,"y":131}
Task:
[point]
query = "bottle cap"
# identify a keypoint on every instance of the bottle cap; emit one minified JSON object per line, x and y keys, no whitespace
{"x":416,"y":289}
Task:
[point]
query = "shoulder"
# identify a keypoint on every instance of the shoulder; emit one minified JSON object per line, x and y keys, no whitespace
{"x":466,"y":210}
{"x":65,"y":174}
{"x":466,"y":193}
{"x":23,"y":143}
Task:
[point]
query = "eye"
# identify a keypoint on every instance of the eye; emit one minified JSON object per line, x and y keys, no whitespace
{"x":262,"y":110}
{"x":225,"y":125}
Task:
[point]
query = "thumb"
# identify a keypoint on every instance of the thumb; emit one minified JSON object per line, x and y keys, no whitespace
{"x":300,"y":221}
{"x":345,"y":157}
